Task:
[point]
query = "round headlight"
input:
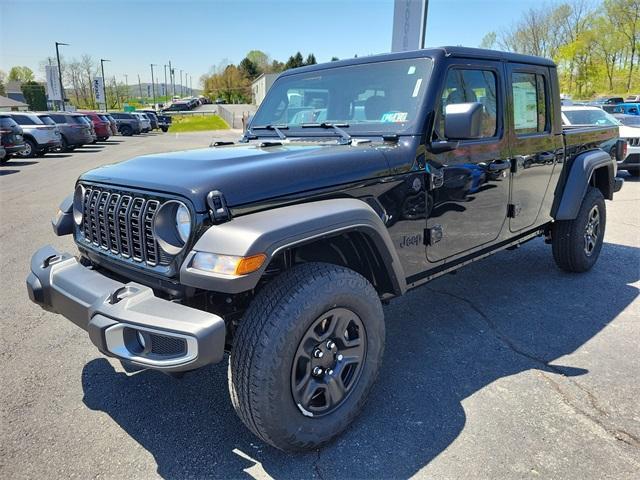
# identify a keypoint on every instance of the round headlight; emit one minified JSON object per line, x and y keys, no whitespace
{"x":172,"y":226}
{"x":78,"y":204}
{"x":183,"y":223}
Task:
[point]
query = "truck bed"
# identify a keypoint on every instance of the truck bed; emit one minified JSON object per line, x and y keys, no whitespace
{"x":587,"y":137}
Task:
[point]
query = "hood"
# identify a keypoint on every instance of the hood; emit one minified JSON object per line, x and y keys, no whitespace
{"x":245,"y":173}
{"x":629,"y":132}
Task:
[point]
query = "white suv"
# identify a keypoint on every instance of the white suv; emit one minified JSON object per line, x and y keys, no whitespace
{"x":585,"y":115}
{"x":39,"y":138}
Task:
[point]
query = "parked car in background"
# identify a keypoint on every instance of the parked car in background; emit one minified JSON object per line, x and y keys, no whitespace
{"x":101,"y":126}
{"x":145,"y":123}
{"x":607,"y":101}
{"x":112,"y":123}
{"x":627,"y":108}
{"x":179,"y":106}
{"x":10,"y":136}
{"x":633,"y":98}
{"x":39,"y":138}
{"x":74,"y":131}
{"x":3,"y":154}
{"x":87,"y":120}
{"x":128,"y":124}
{"x":628,"y":120}
{"x":589,"y":115}
{"x":151,"y":115}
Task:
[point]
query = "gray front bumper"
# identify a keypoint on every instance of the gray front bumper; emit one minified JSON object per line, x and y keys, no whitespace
{"x":125,"y":321}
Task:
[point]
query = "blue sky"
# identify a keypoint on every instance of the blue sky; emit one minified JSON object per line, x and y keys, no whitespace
{"x":196,"y":34}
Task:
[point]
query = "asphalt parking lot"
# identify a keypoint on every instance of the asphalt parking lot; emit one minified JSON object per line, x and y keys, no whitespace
{"x":508,"y":369}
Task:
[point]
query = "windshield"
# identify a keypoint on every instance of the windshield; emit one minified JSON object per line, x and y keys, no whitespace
{"x":590,"y":117}
{"x":630,"y":120}
{"x":373,"y":97}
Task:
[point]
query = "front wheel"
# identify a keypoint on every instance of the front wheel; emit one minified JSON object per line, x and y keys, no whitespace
{"x":576,"y":243}
{"x":29,"y":150}
{"x":306,"y":355}
{"x":164,"y":129}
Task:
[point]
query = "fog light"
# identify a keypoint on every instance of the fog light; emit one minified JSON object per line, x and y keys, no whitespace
{"x":227,"y":264}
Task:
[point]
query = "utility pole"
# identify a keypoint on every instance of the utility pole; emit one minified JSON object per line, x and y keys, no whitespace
{"x":153,"y":85}
{"x":104,"y":83}
{"x":126,"y":81}
{"x":191,"y":84}
{"x":115,"y":85}
{"x":164,"y":93}
{"x":60,"y":73}
{"x":140,"y":86}
{"x":181,"y":89}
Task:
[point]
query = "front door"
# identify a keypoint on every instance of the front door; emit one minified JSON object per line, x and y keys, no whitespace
{"x":467,"y":206}
{"x":535,"y":148}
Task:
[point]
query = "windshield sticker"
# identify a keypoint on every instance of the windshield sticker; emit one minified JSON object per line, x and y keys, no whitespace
{"x":412,"y":70}
{"x":416,"y":89}
{"x":394,"y":117}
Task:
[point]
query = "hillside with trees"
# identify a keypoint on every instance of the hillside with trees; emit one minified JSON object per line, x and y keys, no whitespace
{"x":596,"y":48}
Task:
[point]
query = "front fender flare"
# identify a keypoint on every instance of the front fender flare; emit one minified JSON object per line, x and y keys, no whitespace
{"x":272,"y":231}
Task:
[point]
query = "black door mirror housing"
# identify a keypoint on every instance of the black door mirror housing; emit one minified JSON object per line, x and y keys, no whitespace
{"x":463,"y":121}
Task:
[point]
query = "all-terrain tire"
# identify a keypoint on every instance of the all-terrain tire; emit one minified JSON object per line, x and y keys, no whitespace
{"x":572,"y":250}
{"x":266,"y":342}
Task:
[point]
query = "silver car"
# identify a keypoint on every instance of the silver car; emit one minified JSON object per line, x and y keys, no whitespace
{"x":39,"y":137}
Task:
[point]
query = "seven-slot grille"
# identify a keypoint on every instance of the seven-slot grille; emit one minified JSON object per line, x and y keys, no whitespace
{"x":633,"y":142}
{"x":121,"y":223}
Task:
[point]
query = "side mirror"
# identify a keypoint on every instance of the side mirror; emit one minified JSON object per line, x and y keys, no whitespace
{"x":463,"y":121}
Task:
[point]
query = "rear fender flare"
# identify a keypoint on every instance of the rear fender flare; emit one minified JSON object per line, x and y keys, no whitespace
{"x":579,"y":179}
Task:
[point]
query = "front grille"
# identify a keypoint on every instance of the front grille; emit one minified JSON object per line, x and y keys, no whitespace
{"x":633,"y":142}
{"x":121,"y":223}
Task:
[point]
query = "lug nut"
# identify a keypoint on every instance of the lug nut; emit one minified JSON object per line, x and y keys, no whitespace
{"x":317,"y":371}
{"x":340,"y":357}
{"x":318,"y":353}
{"x":329,"y":372}
{"x":330,"y":344}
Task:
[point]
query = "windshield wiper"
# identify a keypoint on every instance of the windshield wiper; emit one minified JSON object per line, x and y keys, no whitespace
{"x":345,"y":138}
{"x":276,"y":128}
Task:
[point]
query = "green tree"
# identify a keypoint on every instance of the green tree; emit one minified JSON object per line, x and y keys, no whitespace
{"x":35,"y":95}
{"x":20,"y":74}
{"x":260,"y":60}
{"x":334,"y":59}
{"x":311,"y":59}
{"x":248,"y":68}
{"x":2,"y":78}
{"x":294,"y":61}
{"x":624,"y":15}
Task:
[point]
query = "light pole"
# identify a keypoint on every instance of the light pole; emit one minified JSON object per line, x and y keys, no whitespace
{"x":181,"y":87}
{"x":153,"y":85}
{"x":126,"y":82}
{"x":104,"y":82}
{"x":173,"y":81}
{"x":60,"y":72}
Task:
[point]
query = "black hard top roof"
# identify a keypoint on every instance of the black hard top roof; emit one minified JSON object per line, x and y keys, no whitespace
{"x":438,"y":52}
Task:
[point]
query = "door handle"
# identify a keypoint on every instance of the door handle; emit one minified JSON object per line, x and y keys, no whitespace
{"x":499,"y":165}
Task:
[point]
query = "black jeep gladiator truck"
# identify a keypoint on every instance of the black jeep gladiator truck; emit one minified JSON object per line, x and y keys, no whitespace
{"x":356,"y":181}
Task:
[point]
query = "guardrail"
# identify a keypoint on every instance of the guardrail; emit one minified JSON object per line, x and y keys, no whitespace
{"x":192,"y":113}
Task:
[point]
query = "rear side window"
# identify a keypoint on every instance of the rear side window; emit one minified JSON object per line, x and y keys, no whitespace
{"x":466,"y":86}
{"x":58,"y":118}
{"x":529,"y":103}
{"x":27,"y":120}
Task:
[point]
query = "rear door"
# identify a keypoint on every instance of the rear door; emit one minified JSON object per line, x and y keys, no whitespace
{"x":468,"y":207}
{"x":535,"y":147}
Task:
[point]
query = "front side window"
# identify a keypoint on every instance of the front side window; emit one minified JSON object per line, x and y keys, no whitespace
{"x":470,"y":86}
{"x":529,"y":103}
{"x":380,"y":96}
{"x":27,"y":120}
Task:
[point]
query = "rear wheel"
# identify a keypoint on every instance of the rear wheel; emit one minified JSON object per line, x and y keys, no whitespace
{"x":165,"y":129}
{"x":306,"y":355}
{"x":576,"y":244}
{"x":29,"y":150}
{"x":634,"y":172}
{"x":126,"y":130}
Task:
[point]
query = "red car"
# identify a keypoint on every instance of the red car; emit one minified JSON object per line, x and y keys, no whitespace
{"x":101,"y":126}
